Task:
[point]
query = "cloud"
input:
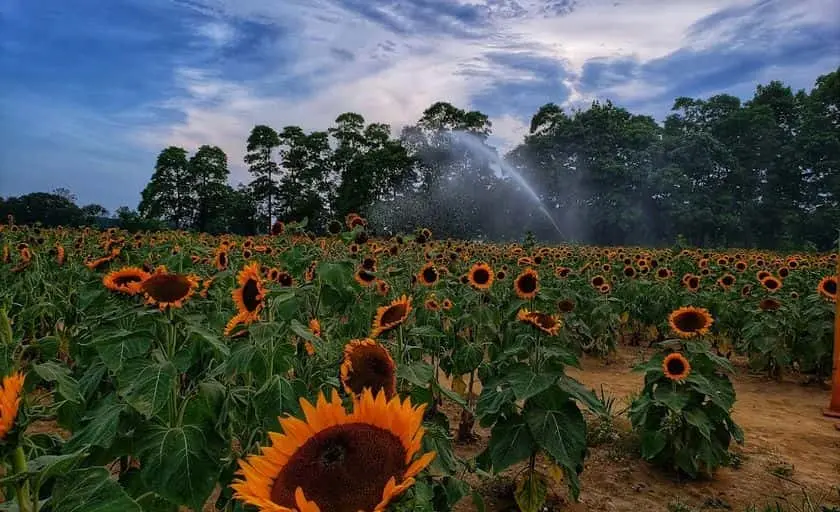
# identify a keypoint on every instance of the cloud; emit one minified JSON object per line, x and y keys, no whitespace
{"x":192,"y":72}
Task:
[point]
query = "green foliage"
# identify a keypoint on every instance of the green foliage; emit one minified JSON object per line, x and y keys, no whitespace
{"x":686,"y":425}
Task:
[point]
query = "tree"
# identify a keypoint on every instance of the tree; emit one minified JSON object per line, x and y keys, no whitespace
{"x":43,"y":208}
{"x":208,"y":173}
{"x":169,"y":195}
{"x":261,"y":144}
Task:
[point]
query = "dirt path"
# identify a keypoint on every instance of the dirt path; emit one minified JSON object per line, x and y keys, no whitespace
{"x":789,"y":447}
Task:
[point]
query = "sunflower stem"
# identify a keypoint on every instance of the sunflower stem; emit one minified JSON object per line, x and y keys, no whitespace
{"x":24,"y":498}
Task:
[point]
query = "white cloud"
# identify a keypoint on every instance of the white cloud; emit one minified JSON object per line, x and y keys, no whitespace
{"x":218,"y":33}
{"x":397,"y":84}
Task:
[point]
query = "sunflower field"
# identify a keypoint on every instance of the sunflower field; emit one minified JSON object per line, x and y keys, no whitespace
{"x":288,"y":372}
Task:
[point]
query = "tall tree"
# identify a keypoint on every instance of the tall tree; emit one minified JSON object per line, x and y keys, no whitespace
{"x":260,"y":160}
{"x":304,"y":185}
{"x":208,"y":173}
{"x":169,"y":195}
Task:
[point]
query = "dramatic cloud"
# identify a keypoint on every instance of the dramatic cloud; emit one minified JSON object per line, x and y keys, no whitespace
{"x":90,"y":104}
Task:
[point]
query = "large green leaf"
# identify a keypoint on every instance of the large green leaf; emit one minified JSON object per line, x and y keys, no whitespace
{"x":147,"y":386}
{"x":182,"y":464}
{"x":653,"y":442}
{"x":558,"y":428}
{"x":418,"y":373}
{"x":582,"y":394}
{"x":90,"y":490}
{"x":67,"y":386}
{"x":671,"y":396}
{"x":510,"y":442}
{"x":101,"y":427}
{"x":698,"y":419}
{"x":119,"y":347}
{"x":525,"y":382}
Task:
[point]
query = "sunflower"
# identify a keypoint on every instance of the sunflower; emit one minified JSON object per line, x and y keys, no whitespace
{"x":597,"y":281}
{"x":285,"y":279}
{"x":687,"y":322}
{"x":676,"y":367}
{"x":446,"y":304}
{"x":769,"y":304}
{"x":629,"y":271}
{"x":249,"y":297}
{"x":10,"y":401}
{"x":428,"y":275}
{"x":337,"y":462}
{"x":60,"y":254}
{"x":605,"y":288}
{"x":663,"y":273}
{"x":771,"y":283}
{"x":527,"y":284}
{"x":692,"y":283}
{"x":364,"y":277}
{"x":127,"y":280}
{"x":315,"y":329}
{"x":562,"y":272}
{"x":480,"y":276}
{"x":390,"y":316}
{"x":220,"y":259}
{"x":431,"y":304}
{"x":566,"y":306}
{"x":549,"y":324}
{"x":369,"y":264}
{"x":382,"y":287}
{"x":272,"y":274}
{"x":368,"y":365}
{"x":310,"y":272}
{"x":167,"y":289}
{"x":278,"y":228}
{"x":827,"y":287}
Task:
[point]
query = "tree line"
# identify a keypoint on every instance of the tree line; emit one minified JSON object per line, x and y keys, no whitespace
{"x":717,"y":172}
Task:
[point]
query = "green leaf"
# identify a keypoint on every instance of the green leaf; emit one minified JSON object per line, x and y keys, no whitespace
{"x":558,"y":428}
{"x":582,"y":394}
{"x":102,"y":426}
{"x":147,"y":386}
{"x":653,"y":442}
{"x":182,"y":464}
{"x":119,"y":347}
{"x":90,"y":490}
{"x":448,"y":393}
{"x":213,"y":341}
{"x":426,"y":331}
{"x":510,"y":442}
{"x":531,"y":492}
{"x":697,"y":418}
{"x":671,"y":396}
{"x":49,"y":466}
{"x":437,"y":439}
{"x":492,"y":400}
{"x":303,"y":331}
{"x":418,"y":373}
{"x":526,"y":383}
{"x":67,"y":386}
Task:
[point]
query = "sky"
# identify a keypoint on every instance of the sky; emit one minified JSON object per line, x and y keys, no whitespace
{"x":92,"y":90}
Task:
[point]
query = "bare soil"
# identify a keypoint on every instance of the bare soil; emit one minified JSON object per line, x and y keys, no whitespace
{"x":791,"y":450}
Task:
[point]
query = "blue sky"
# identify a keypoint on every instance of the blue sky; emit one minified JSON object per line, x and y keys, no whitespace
{"x":91,"y":90}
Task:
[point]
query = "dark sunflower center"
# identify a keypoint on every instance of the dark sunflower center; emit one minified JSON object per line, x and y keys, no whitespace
{"x":728,"y":280}
{"x":771,"y":284}
{"x":223,"y":260}
{"x":125,"y":279}
{"x":629,"y":271}
{"x":528,"y":283}
{"x":430,"y":275}
{"x":693,"y":283}
{"x":690,"y":321}
{"x":597,"y":281}
{"x":544,"y":321}
{"x":675,"y":366}
{"x":285,"y":279}
{"x":566,"y":306}
{"x":372,"y":369}
{"x":393,"y":314}
{"x":830,"y":287}
{"x":663,"y":273}
{"x":769,"y":305}
{"x":366,"y":276}
{"x":167,"y":287}
{"x":481,"y":276}
{"x":251,"y":295}
{"x":342,"y":469}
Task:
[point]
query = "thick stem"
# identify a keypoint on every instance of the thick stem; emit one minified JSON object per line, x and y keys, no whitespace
{"x":24,"y":498}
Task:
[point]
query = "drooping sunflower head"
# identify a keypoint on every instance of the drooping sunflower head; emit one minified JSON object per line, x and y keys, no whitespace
{"x":364,"y":277}
{"x":549,"y":324}
{"x":368,"y":365}
{"x":168,"y":289}
{"x":771,"y":283}
{"x":249,"y":296}
{"x":390,"y":316}
{"x":566,"y":306}
{"x":527,"y":284}
{"x":827,"y":287}
{"x":428,"y":275}
{"x":332,"y":461}
{"x":10,"y":402}
{"x":769,"y":304}
{"x":127,"y":280}
{"x":676,"y":367}
{"x":480,"y":276}
{"x":688,"y":322}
